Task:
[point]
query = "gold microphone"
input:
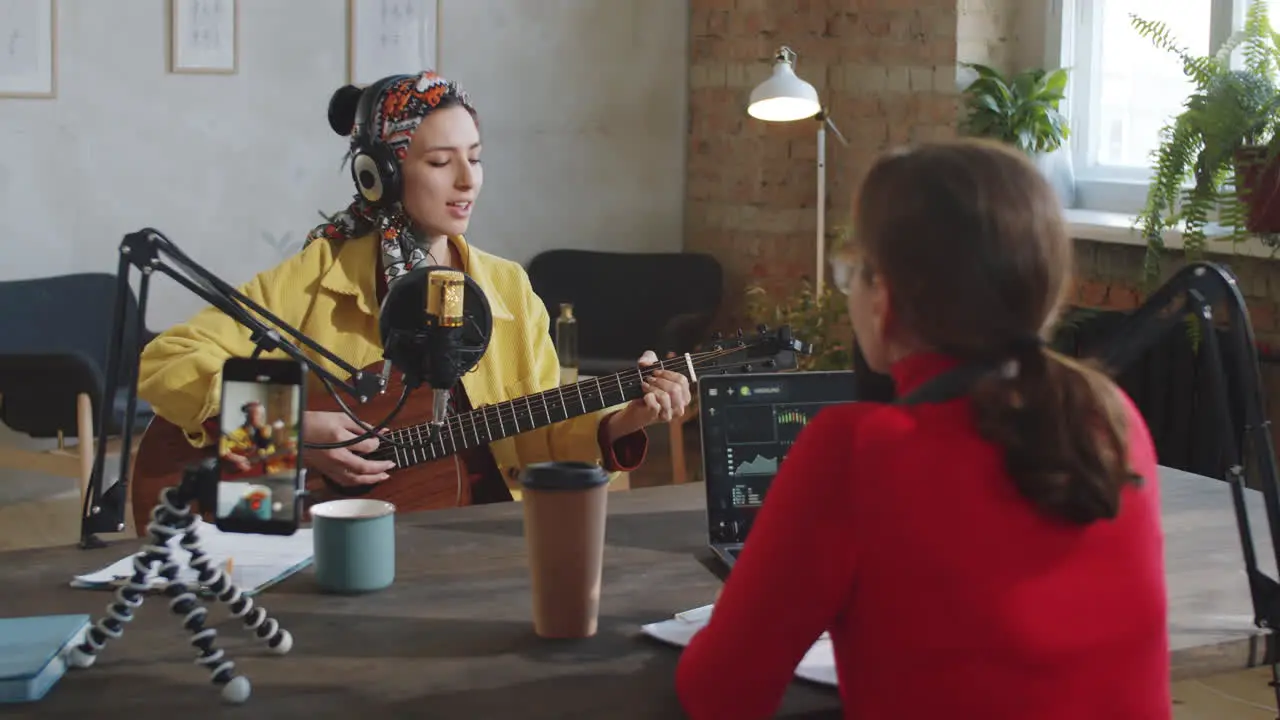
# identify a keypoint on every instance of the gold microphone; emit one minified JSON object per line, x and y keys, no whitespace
{"x":445,"y":290}
{"x":444,"y":303}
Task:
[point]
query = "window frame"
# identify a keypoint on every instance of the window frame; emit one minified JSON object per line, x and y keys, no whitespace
{"x":1072,"y":42}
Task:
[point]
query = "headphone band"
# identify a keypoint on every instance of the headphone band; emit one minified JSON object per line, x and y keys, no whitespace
{"x":367,"y":134}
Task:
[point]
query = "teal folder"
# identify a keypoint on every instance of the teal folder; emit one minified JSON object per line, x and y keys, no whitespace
{"x":33,"y":652}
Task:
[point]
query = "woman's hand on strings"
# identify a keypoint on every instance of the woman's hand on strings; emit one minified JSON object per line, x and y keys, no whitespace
{"x":342,"y":465}
{"x":666,"y":396}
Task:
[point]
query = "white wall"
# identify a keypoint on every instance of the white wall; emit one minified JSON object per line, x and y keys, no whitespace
{"x":582,"y":104}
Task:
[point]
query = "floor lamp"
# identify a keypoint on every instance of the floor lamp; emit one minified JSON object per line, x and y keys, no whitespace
{"x":784,"y":97}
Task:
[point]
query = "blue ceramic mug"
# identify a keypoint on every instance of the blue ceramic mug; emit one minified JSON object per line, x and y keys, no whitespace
{"x":355,"y":545}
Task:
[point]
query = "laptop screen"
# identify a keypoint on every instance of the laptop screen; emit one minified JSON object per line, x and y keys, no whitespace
{"x":748,"y":422}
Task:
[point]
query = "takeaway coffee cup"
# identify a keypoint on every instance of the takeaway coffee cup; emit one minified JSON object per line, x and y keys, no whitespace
{"x":355,"y":545}
{"x":564,"y":522}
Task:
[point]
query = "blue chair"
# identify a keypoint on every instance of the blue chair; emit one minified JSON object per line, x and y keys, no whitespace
{"x":55,"y":336}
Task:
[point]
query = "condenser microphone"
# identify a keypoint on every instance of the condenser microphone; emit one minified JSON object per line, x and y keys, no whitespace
{"x":435,"y":324}
{"x":444,"y":301}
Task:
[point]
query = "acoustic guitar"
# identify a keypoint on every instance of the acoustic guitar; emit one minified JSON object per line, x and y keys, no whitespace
{"x":428,"y":474}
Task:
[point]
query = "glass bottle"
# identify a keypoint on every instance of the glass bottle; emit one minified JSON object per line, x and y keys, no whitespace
{"x":567,"y":344}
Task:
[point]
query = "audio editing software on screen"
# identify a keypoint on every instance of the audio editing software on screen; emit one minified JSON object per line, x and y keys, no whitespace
{"x":749,"y":424}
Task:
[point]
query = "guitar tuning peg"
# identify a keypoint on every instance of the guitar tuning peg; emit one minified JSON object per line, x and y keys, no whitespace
{"x":717,"y":336}
{"x":739,"y":332}
{"x":762,"y":328}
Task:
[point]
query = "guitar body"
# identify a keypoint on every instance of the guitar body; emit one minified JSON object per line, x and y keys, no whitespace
{"x":164,"y":452}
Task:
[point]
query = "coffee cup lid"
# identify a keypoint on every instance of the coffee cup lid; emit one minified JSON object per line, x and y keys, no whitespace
{"x":563,"y":476}
{"x":352,"y":509}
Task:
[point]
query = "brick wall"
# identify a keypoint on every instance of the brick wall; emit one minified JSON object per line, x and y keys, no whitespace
{"x":887,"y":71}
{"x":1108,"y":276}
{"x":885,"y":68}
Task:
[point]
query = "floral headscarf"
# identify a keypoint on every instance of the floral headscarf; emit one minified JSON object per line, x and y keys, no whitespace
{"x":397,"y":112}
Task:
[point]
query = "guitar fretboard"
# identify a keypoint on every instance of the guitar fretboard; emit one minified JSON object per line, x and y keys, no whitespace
{"x":423,"y":443}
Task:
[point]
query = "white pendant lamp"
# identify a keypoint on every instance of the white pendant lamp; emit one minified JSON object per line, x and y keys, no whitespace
{"x":784,"y":97}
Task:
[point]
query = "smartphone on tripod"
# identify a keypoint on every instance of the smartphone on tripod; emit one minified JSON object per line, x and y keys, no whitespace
{"x":260,"y":475}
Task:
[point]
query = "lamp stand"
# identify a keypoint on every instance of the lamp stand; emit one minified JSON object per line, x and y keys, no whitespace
{"x":821,"y":239}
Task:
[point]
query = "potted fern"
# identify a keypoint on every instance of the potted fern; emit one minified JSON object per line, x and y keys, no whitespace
{"x":1223,"y":145}
{"x":1023,"y":110}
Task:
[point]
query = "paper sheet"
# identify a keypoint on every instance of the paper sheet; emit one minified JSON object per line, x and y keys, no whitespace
{"x":818,"y":665}
{"x":257,"y":561}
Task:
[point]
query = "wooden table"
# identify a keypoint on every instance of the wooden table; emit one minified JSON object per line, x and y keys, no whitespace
{"x":452,"y":638}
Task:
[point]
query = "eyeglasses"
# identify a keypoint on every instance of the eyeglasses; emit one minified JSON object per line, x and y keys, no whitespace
{"x":843,"y":270}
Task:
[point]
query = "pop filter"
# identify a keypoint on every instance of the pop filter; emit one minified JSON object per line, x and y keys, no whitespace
{"x":435,"y":324}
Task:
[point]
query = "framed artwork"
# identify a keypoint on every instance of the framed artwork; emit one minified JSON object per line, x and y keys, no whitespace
{"x":388,"y":37}
{"x":28,"y":48}
{"x":203,"y":36}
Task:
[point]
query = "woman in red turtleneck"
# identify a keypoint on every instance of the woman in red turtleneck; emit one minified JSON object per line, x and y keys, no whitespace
{"x":992,"y":554}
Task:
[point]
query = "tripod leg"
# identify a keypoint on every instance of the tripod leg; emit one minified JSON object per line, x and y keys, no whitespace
{"x":129,"y":596}
{"x":184,"y":602}
{"x":266,"y":629}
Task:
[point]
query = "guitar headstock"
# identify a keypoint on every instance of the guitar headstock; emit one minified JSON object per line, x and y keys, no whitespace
{"x":767,"y":350}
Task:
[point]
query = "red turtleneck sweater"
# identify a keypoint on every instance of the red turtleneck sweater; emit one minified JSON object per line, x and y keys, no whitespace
{"x":946,"y":594}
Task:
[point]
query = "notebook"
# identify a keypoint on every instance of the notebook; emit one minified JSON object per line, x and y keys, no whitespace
{"x":33,"y":653}
{"x":256,"y":561}
{"x":817,"y":666}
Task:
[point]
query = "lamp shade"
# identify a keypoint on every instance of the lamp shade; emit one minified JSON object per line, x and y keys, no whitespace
{"x":783,"y":97}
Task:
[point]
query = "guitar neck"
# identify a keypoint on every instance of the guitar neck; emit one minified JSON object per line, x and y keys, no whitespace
{"x":491,"y":423}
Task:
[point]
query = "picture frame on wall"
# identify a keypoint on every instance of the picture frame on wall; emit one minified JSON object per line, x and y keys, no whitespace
{"x":204,"y":36}
{"x":389,"y":37}
{"x":28,"y":49}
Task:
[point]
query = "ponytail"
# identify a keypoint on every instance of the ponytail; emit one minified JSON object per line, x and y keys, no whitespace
{"x":1062,"y":426}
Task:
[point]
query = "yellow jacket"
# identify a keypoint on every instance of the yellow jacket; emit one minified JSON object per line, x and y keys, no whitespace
{"x":329,"y":292}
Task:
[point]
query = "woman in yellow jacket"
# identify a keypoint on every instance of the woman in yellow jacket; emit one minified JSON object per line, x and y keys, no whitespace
{"x":411,"y":209}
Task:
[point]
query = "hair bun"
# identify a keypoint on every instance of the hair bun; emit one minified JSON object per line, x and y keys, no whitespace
{"x":342,"y":109}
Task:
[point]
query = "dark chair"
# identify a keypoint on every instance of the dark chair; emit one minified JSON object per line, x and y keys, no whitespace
{"x":626,"y":303}
{"x":55,"y":336}
{"x":1170,"y":385}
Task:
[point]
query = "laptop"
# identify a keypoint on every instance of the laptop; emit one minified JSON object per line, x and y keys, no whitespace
{"x":747,"y":424}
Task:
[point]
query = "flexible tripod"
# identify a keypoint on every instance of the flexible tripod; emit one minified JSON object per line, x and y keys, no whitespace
{"x":171,"y":518}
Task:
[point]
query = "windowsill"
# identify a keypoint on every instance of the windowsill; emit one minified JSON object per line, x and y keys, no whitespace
{"x":1117,"y":228}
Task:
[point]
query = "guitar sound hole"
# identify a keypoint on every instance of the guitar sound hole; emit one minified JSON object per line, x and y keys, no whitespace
{"x":346,"y":490}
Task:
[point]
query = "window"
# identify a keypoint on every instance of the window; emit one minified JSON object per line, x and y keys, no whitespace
{"x":1123,"y":90}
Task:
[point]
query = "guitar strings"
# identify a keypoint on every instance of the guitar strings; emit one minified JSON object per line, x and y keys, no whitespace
{"x":460,"y":430}
{"x":511,"y":413}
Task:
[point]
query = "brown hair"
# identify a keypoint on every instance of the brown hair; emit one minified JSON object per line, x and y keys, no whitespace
{"x":970,"y":240}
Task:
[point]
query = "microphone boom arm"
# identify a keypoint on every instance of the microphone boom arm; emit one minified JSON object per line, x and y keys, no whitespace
{"x":1196,"y":290}
{"x":147,"y":250}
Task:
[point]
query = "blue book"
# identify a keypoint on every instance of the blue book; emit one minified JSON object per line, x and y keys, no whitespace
{"x":33,"y":653}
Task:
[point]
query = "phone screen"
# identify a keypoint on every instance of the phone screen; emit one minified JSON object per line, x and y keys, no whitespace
{"x":258,"y":449}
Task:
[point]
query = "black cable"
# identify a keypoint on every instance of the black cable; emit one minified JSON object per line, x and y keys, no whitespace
{"x":370,"y":432}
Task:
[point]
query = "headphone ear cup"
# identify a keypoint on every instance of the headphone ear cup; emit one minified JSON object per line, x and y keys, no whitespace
{"x":377,"y":175}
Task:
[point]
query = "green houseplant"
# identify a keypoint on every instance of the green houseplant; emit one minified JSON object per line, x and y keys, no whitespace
{"x":822,"y":321}
{"x":1217,"y":158}
{"x":1021,"y":110}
